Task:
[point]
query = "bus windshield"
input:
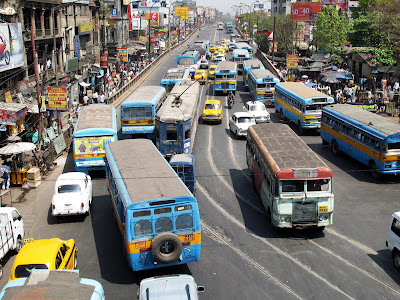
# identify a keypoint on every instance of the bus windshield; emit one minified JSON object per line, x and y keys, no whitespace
{"x":315,"y":107}
{"x":138,"y":112}
{"x":312,"y":185}
{"x":186,"y":61}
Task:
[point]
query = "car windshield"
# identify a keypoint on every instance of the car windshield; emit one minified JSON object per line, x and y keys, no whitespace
{"x":69,"y":188}
{"x":22,"y":271}
{"x":245,"y":120}
{"x":257,"y":108}
{"x":212,"y":106}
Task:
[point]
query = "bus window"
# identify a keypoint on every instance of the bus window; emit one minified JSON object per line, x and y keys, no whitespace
{"x":187,"y":134}
{"x":292,"y":186}
{"x":141,"y":213}
{"x":318,"y":185}
{"x":143,"y":227}
{"x":164,"y":210}
{"x":184,"y":221}
{"x":164,"y":224}
{"x":171,"y":134}
{"x":186,"y":61}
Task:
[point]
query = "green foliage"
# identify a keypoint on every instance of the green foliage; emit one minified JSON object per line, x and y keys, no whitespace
{"x":331,"y":30}
{"x":379,"y":55}
{"x":336,"y":59}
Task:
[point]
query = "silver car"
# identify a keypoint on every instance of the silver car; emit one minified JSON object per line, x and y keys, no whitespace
{"x":240,"y":122}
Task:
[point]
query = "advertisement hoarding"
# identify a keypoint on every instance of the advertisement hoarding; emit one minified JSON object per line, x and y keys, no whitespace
{"x":91,"y":146}
{"x":123,"y":53}
{"x":305,"y":11}
{"x":11,"y":46}
{"x":292,"y":61}
{"x":57,"y":98}
{"x":153,"y":17}
{"x":103,"y":61}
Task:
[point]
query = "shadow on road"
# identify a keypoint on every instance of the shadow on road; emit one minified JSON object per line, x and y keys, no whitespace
{"x":384,"y":260}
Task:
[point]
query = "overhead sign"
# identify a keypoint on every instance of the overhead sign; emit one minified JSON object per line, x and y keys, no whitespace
{"x":292,"y":61}
{"x":305,"y":11}
{"x":57,"y":98}
{"x":12,"y":46}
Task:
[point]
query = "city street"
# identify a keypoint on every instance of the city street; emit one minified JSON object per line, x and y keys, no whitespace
{"x":242,"y":256}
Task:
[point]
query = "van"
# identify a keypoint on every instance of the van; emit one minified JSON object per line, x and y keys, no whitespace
{"x":11,"y":232}
{"x":180,"y":286}
{"x":393,"y":239}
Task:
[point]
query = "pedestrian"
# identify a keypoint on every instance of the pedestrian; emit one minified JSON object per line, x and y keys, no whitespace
{"x":95,"y":97}
{"x":102,"y":98}
{"x":85,"y":100}
{"x":5,"y":185}
{"x":396,"y":86}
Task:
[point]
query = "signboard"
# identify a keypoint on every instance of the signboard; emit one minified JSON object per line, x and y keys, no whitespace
{"x":275,"y":46}
{"x":153,"y":17}
{"x":135,"y":23}
{"x":91,"y":146}
{"x":114,"y":13}
{"x":12,"y":41}
{"x":72,"y":65}
{"x":8,"y":97}
{"x":123,"y":52}
{"x":292,"y":61}
{"x":10,"y":113}
{"x":182,"y":11}
{"x":270,"y":35}
{"x":57,"y":98}
{"x":76,"y":47}
{"x":85,"y":27}
{"x":103,"y":61}
{"x":258,"y":6}
{"x":305,"y":11}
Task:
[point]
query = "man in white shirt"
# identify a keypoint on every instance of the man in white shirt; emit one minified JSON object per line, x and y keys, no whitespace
{"x":95,"y":97}
{"x":102,"y":98}
{"x":85,"y":100}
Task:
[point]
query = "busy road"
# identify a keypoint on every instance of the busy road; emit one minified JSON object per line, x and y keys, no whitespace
{"x":242,"y":257}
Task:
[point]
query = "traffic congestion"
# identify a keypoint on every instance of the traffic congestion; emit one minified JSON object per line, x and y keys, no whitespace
{"x":214,"y":179}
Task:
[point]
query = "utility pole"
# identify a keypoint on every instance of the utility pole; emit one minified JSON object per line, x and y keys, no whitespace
{"x":35,"y":62}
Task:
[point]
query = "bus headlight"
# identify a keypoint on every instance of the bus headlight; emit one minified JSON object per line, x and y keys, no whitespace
{"x":286,"y":219}
{"x":323,"y":217}
{"x":204,"y":115}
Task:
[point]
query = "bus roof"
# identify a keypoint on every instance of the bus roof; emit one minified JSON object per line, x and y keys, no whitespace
{"x":285,"y":151}
{"x":226,"y":65}
{"x":144,"y":94}
{"x":190,"y":52}
{"x":366,"y":118}
{"x":182,"y":159}
{"x":254,"y":63}
{"x":96,"y":116}
{"x":301,"y":90}
{"x":240,"y":52}
{"x":262,"y":73}
{"x":146,"y":175}
{"x":181,"y":109}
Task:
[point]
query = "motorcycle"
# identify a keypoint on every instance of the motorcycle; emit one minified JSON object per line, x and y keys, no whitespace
{"x":4,"y":53}
{"x":231,"y":101}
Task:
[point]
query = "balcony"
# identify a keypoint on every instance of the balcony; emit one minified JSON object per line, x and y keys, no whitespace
{"x":38,"y":32}
{"x":47,"y":31}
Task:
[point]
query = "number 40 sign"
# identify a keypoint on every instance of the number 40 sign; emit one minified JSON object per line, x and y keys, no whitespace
{"x":305,"y":11}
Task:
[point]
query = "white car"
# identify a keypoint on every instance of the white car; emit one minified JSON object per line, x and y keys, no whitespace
{"x":203,"y":64}
{"x":393,"y":239}
{"x":258,"y":110}
{"x":72,"y":194}
{"x":240,"y":122}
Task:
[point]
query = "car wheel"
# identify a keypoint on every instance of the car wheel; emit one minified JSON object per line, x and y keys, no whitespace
{"x":75,"y":261}
{"x":1,"y":271}
{"x":19,"y":245}
{"x":335,"y":147}
{"x":320,"y":229}
{"x":396,"y":259}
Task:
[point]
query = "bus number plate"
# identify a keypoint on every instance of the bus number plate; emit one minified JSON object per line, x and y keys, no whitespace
{"x":323,"y":209}
{"x":189,"y":237}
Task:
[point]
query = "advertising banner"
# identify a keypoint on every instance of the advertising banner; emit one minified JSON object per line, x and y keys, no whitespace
{"x":123,"y":53}
{"x":10,"y":113}
{"x":57,"y":98}
{"x":305,"y":11}
{"x":292,"y":61}
{"x":103,"y":60}
{"x":91,"y":146}
{"x":114,"y":13}
{"x":8,"y":97}
{"x":153,"y":17}
{"x":270,"y":35}
{"x":182,"y":11}
{"x":11,"y":46}
{"x":85,"y":27}
{"x":77,"y":50}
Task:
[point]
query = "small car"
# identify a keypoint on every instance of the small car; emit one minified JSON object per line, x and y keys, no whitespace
{"x":219,"y":57}
{"x":393,"y":239}
{"x":200,"y":76}
{"x":211,"y":70}
{"x":212,"y":48}
{"x":203,"y":64}
{"x":226,"y":46}
{"x":258,"y":110}
{"x":232,"y":46}
{"x":51,"y":254}
{"x":72,"y":194}
{"x":240,"y":122}
{"x":212,"y":111}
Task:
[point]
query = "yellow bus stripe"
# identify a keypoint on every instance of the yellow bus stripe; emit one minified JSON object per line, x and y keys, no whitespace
{"x":99,"y":155}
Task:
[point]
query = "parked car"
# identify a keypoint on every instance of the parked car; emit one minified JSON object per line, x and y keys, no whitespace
{"x":200,"y":76}
{"x":203,"y":64}
{"x":180,"y":286}
{"x":11,"y":232}
{"x":258,"y":110}
{"x":240,"y":122}
{"x":211,"y":70}
{"x":393,"y":239}
{"x":72,"y":194}
{"x":212,"y":111}
{"x":51,"y":254}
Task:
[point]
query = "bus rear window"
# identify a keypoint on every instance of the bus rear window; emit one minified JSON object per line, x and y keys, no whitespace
{"x":393,"y":146}
{"x":184,"y":221}
{"x":164,"y":210}
{"x":183,"y":207}
{"x":142,"y":213}
{"x":143,"y":227}
{"x":292,"y":186}
{"x":163,"y":224}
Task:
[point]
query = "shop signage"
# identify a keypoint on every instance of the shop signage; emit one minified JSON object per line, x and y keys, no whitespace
{"x":292,"y":61}
{"x":10,"y":113}
{"x":123,"y":53}
{"x":182,"y":11}
{"x":72,"y":65}
{"x":114,"y":13}
{"x":85,"y":27}
{"x":103,"y":61}
{"x":305,"y":11}
{"x":57,"y":98}
{"x":77,"y":50}
{"x":153,"y":17}
{"x":8,"y":97}
{"x":12,"y":55}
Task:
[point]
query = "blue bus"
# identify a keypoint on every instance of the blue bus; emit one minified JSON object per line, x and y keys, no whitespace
{"x":176,"y":121}
{"x":371,"y":139}
{"x":225,"y":77}
{"x":189,"y":59}
{"x":248,"y":65}
{"x":300,"y":104}
{"x":173,"y":76}
{"x":262,"y":85}
{"x":242,"y":45}
{"x":239,"y":56}
{"x":96,"y":126}
{"x":184,"y":165}
{"x":138,"y":111}
{"x":157,"y":215}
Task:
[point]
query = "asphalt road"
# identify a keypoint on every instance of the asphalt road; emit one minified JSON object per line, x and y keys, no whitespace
{"x":242,"y":257}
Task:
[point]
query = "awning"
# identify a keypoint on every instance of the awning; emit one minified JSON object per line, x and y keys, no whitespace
{"x":11,"y":112}
{"x":84,"y":84}
{"x":95,"y":69}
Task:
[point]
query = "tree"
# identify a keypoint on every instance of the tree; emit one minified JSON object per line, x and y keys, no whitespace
{"x":331,"y":29}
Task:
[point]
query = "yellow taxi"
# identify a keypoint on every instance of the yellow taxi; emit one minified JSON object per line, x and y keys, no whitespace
{"x":212,"y":48}
{"x":212,"y":111}
{"x":225,"y":45}
{"x":221,"y":50}
{"x":200,"y":76}
{"x":51,"y":254}
{"x":224,"y":40}
{"x":211,"y":71}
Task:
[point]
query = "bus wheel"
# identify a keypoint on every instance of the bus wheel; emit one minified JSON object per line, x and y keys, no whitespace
{"x":281,"y":113}
{"x":374,"y":171}
{"x":396,"y":259}
{"x":301,"y":129}
{"x":335,"y":147}
{"x":166,"y":247}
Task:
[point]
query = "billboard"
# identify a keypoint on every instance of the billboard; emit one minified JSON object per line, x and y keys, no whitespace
{"x":57,"y":98}
{"x":11,"y":46}
{"x":292,"y":61}
{"x":153,"y":17}
{"x":182,"y":11}
{"x":305,"y":11}
{"x":91,"y":146}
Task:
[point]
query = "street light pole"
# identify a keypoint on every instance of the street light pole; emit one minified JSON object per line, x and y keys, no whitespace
{"x":149,"y":25}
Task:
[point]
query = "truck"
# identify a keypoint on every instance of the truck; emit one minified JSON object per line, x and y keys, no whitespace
{"x":11,"y":232}
{"x":181,"y":286}
{"x":53,"y":284}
